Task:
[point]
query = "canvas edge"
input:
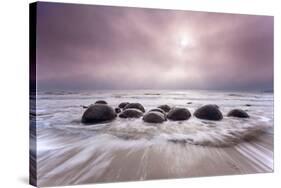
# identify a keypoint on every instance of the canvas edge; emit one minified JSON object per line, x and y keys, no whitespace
{"x":32,"y":95}
{"x":33,"y":180}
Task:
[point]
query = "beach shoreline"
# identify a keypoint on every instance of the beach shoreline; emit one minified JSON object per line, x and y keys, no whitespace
{"x":69,"y":152}
{"x":102,"y":163}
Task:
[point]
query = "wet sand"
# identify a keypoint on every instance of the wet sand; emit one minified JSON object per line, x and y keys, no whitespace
{"x":68,"y":152}
{"x":108,"y":159}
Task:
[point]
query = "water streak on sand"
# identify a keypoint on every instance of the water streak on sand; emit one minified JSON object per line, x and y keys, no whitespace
{"x":128,"y":149}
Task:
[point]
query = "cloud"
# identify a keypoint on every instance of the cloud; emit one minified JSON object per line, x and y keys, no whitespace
{"x":101,"y":47}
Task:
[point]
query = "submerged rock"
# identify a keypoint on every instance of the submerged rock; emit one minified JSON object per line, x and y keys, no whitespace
{"x":158,"y":110}
{"x":131,"y":113}
{"x":209,"y":112}
{"x":123,"y":104}
{"x":238,"y":113}
{"x":117,"y":110}
{"x":154,"y":117}
{"x":100,"y":102}
{"x":178,"y":114}
{"x":165,"y":107}
{"x":248,"y":105}
{"x":98,"y":113}
{"x":136,"y":106}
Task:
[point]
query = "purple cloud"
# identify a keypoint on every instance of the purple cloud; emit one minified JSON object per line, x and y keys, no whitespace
{"x":103,"y":47}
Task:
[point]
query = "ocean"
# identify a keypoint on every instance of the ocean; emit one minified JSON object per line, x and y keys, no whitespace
{"x":69,"y":152}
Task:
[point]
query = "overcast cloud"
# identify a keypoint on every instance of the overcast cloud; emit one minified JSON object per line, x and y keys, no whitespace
{"x":99,"y":47}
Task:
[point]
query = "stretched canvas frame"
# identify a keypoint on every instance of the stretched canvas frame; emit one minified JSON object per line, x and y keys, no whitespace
{"x":208,"y":112}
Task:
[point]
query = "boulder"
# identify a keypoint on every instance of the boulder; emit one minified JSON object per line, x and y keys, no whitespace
{"x":178,"y":114}
{"x":238,"y":113}
{"x":154,"y":117}
{"x":136,"y":106}
{"x":117,"y":110}
{"x":123,"y":104}
{"x":131,"y":113}
{"x":100,"y":102}
{"x":209,"y":112}
{"x":83,"y":106}
{"x":98,"y":113}
{"x":165,"y":107}
{"x":158,"y":110}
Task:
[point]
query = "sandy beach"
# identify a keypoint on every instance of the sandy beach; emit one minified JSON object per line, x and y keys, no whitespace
{"x":129,"y":149}
{"x":101,"y":161}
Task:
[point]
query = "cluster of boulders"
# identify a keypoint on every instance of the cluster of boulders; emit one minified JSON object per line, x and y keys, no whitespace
{"x":102,"y":112}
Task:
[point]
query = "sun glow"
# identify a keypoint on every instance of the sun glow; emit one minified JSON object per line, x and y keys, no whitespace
{"x":184,"y":42}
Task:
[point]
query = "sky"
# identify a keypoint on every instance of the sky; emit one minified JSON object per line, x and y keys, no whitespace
{"x":104,"y":47}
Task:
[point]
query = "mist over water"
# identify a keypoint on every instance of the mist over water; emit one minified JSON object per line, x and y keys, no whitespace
{"x":130,"y":149}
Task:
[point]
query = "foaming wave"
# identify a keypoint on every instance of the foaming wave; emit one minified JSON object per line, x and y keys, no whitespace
{"x":228,"y":132}
{"x":65,"y":159}
{"x":69,"y":152}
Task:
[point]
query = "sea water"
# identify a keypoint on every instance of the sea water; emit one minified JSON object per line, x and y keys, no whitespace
{"x":79,"y":153}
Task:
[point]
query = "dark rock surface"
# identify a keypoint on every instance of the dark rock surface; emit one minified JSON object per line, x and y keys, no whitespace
{"x":131,"y":113}
{"x":117,"y":110}
{"x":136,"y":106}
{"x":157,"y":110}
{"x":165,"y":107}
{"x":238,"y":113}
{"x":100,"y":102}
{"x":209,"y":112}
{"x":178,"y":114}
{"x":123,"y":104}
{"x":98,"y":113}
{"x":154,"y":117}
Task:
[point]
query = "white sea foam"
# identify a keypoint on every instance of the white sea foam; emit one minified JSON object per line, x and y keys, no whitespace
{"x":67,"y":148}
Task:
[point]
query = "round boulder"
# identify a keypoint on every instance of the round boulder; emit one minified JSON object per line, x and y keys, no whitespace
{"x":136,"y":106}
{"x":154,"y":117}
{"x":178,"y":114}
{"x":123,"y":104}
{"x":117,"y":110}
{"x":165,"y":107}
{"x":83,"y":106}
{"x":100,"y":102}
{"x":157,"y":110}
{"x":98,"y":113}
{"x":131,"y":113}
{"x":238,"y":113}
{"x":209,"y":112}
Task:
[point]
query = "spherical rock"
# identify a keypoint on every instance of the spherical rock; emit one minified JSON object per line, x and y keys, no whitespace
{"x":209,"y":112}
{"x":131,"y":113}
{"x":238,"y":113}
{"x":98,"y":113}
{"x":135,"y":106}
{"x":178,"y":114}
{"x":100,"y":102}
{"x":157,"y":110}
{"x":154,"y":117}
{"x":123,"y":104}
{"x":117,"y":110}
{"x":165,"y":107}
